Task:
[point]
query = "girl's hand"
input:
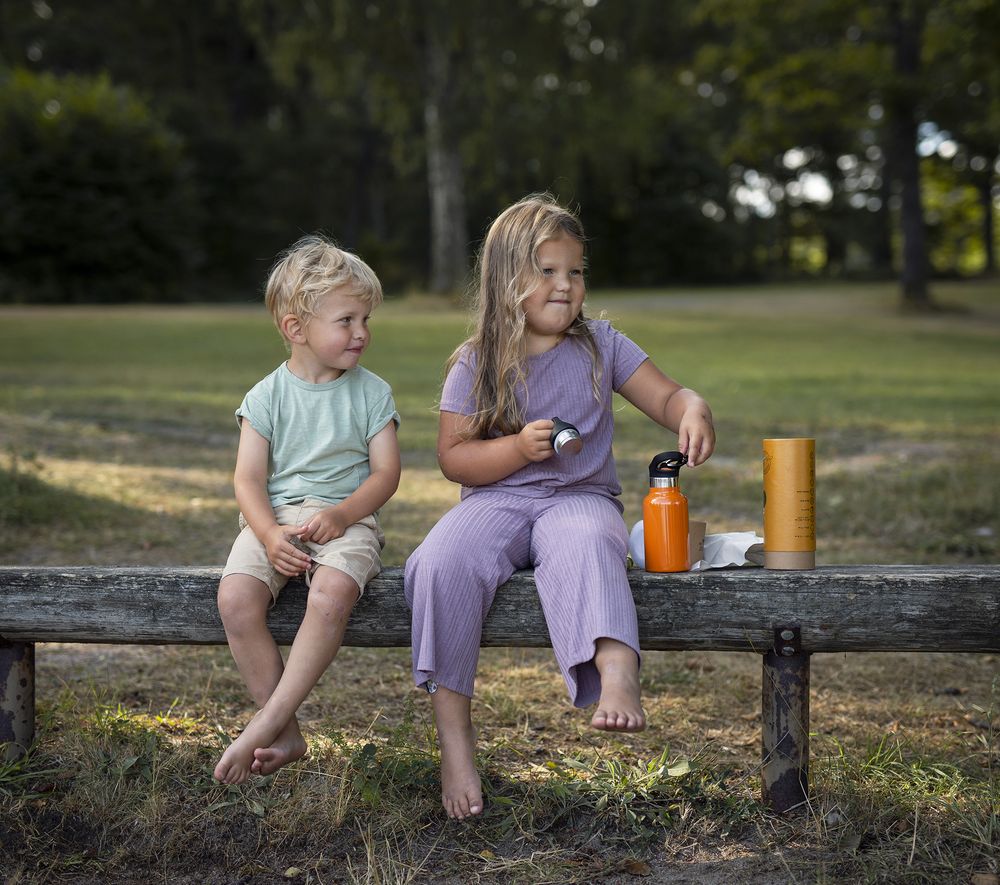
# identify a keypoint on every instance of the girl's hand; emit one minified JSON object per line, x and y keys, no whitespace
{"x":533,"y":441}
{"x":283,"y":554}
{"x":325,"y":526}
{"x":696,"y":436}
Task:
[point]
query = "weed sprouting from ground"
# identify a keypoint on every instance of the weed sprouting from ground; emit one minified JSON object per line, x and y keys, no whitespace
{"x":643,"y":799}
{"x":889,"y":807}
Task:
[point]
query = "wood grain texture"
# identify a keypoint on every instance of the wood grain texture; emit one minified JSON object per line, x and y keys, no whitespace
{"x":855,"y":608}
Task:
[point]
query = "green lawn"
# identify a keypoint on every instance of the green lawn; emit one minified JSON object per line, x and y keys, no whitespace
{"x":117,"y":443}
{"x":128,"y":413}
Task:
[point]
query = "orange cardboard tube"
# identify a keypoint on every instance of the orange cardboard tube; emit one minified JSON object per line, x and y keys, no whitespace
{"x":790,"y":503}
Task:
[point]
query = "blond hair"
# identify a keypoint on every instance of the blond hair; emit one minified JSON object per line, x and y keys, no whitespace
{"x":508,"y":272}
{"x":310,"y":269}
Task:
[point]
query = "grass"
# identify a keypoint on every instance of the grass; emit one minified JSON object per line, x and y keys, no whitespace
{"x":116,"y":447}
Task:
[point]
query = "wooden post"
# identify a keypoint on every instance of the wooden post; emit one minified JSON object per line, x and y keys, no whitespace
{"x":17,"y":698}
{"x":785,"y":723}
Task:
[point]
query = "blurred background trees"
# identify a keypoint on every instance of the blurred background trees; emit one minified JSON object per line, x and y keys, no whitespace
{"x":151,"y":151}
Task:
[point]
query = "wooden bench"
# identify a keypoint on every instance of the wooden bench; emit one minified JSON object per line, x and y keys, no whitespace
{"x":782,"y":616}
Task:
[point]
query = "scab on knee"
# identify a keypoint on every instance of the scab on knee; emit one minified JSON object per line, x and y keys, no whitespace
{"x":332,"y":594}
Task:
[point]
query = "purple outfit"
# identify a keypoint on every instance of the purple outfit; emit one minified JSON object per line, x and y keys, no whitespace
{"x":560,"y":516}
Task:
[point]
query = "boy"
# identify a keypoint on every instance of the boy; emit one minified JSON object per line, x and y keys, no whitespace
{"x":317,"y":458}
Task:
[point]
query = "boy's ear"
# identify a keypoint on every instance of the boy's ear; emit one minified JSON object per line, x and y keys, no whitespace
{"x":293,"y":328}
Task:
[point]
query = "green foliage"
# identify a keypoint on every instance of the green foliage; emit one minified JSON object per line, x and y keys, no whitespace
{"x":17,"y":776}
{"x":94,"y":198}
{"x":651,"y":117}
{"x":642,"y":798}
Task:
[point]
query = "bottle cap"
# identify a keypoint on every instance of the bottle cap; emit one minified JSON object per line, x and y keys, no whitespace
{"x":666,"y":465}
{"x":565,"y":437}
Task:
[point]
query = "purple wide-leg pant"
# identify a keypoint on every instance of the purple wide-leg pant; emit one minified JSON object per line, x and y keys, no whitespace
{"x":576,"y":542}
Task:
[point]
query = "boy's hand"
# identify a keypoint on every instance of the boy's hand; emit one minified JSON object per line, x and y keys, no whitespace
{"x":325,"y":526}
{"x":696,"y":436}
{"x":533,"y":441}
{"x":282,"y":552}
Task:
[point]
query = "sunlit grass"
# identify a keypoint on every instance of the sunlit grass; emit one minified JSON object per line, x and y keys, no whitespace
{"x":903,"y":409}
{"x":117,"y":443}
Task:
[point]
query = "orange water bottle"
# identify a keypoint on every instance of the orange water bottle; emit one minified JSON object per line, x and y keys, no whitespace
{"x":665,"y":516}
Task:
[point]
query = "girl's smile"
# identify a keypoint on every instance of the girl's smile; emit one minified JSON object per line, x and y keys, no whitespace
{"x":557,"y":299}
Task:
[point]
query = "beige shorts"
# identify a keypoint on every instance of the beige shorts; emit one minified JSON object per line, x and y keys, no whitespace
{"x":356,"y":552}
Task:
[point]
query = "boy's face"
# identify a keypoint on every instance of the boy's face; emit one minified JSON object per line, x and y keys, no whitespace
{"x":338,"y":333}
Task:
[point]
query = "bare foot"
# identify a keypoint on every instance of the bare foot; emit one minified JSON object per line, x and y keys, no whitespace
{"x":461,"y":788}
{"x":619,"y":708}
{"x":236,"y":764}
{"x":284,"y":750}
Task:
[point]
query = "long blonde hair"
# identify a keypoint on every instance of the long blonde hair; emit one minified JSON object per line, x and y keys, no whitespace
{"x":508,"y":272}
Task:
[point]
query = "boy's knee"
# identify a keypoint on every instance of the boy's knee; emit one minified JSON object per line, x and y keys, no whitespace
{"x":332,"y":595}
{"x":242,"y":604}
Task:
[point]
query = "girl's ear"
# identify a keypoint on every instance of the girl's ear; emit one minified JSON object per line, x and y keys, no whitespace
{"x":293,"y":328}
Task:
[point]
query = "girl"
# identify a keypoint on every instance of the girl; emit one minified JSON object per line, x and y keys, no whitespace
{"x":534,"y":355}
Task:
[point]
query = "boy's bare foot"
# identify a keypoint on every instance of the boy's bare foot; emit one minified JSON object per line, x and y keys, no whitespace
{"x":461,"y":788}
{"x":268,"y":760}
{"x":236,"y":764}
{"x":620,"y":707}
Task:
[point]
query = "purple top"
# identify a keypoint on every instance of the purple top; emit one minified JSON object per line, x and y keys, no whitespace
{"x":559,"y":383}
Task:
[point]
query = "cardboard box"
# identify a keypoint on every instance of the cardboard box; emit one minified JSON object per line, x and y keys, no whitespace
{"x":696,"y":541}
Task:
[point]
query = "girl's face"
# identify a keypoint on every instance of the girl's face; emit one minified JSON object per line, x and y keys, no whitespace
{"x":557,"y":299}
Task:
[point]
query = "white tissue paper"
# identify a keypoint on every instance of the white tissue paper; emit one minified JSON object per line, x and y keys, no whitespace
{"x":724,"y":550}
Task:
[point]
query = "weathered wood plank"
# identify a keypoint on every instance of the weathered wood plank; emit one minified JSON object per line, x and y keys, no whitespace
{"x":856,"y":608}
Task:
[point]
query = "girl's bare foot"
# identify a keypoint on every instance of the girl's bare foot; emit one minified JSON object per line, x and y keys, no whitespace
{"x":461,"y":789}
{"x":619,"y":707}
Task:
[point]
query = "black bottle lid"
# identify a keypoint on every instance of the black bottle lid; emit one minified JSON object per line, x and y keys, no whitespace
{"x":565,"y":437}
{"x":666,"y":465}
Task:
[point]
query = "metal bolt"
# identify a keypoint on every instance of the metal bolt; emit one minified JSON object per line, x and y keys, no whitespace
{"x":787,"y":635}
{"x":788,"y":650}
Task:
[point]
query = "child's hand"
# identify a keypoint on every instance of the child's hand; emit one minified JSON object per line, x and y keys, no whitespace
{"x":533,"y":441}
{"x":325,"y":526}
{"x":696,"y":436}
{"x":283,"y":554}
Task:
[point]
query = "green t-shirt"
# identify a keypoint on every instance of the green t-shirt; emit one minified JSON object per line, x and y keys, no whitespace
{"x":319,"y":433}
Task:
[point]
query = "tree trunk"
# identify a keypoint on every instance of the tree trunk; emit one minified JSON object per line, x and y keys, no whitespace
{"x":881,"y":246}
{"x":907,"y":31}
{"x":449,"y":239}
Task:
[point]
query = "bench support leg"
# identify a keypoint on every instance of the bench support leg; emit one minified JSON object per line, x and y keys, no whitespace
{"x":17,"y":698}
{"x":785,"y":730}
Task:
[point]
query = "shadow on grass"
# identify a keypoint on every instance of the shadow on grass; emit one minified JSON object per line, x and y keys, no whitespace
{"x":45,"y":524}
{"x":27,"y":501}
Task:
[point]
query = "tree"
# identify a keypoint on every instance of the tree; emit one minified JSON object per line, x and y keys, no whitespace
{"x":905,"y":25}
{"x":432,"y":75}
{"x":812,"y":69}
{"x":961,"y":50}
{"x":95,"y":204}
{"x":193,"y":64}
